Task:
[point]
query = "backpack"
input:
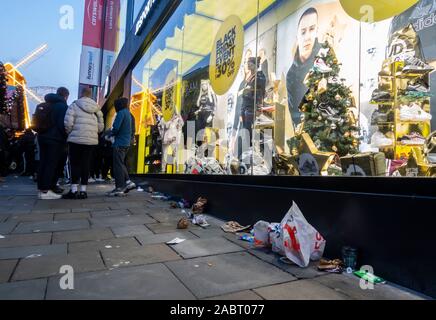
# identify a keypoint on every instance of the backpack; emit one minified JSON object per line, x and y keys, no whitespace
{"x":42,"y":119}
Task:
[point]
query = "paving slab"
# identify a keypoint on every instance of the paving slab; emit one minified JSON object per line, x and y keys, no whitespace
{"x":209,"y":232}
{"x":300,"y":290}
{"x":109,"y":213}
{"x":142,"y":210}
{"x":131,"y":231}
{"x":89,"y":246}
{"x":119,"y":221}
{"x":43,"y":267}
{"x":71,"y":216}
{"x":7,"y":227}
{"x":170,"y":227}
{"x":23,"y":290}
{"x":217,"y":275}
{"x":242,"y":295}
{"x":267,"y":255}
{"x":52,"y":226}
{"x":153,"y":253}
{"x":151,"y":282}
{"x":131,"y":204}
{"x":349,"y":285}
{"x":164,"y":237}
{"x":205,"y":247}
{"x":166,"y":217}
{"x":82,"y":235}
{"x":23,"y":252}
{"x":62,"y":209}
{"x":23,"y":240}
{"x":33,"y":217}
{"x":6,"y":269}
{"x":234,"y":237}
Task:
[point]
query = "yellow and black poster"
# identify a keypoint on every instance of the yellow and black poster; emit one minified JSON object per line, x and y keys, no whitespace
{"x":226,"y":55}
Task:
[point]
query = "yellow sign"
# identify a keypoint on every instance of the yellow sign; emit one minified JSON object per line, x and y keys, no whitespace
{"x":226,"y":56}
{"x":169,"y":99}
{"x":375,"y":10}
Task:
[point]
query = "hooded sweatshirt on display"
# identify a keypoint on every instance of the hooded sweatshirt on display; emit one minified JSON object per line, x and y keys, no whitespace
{"x":83,"y":122}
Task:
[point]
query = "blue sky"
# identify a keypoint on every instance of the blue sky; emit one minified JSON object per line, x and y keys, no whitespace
{"x":27,"y":24}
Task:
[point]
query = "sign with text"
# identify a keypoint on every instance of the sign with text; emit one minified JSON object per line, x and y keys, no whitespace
{"x":226,"y":56}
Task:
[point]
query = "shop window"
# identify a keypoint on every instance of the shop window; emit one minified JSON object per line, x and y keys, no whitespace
{"x":265,"y":87}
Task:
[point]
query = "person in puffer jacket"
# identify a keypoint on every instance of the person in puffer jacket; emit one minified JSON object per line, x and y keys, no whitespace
{"x":83,"y":123}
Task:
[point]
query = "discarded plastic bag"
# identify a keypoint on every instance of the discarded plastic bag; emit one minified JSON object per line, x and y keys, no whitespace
{"x":261,"y":232}
{"x":301,"y":241}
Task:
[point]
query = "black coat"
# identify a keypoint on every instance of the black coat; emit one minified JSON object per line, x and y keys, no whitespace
{"x":56,"y":134}
{"x":295,"y":82}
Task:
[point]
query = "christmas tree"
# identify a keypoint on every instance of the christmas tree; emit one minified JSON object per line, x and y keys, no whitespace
{"x":326,"y":108}
{"x":4,"y":109}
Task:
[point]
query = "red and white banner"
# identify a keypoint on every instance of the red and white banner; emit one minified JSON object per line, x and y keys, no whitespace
{"x":90,"y":60}
{"x":111,"y":33}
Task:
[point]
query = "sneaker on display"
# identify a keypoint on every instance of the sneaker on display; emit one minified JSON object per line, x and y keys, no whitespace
{"x":413,"y":64}
{"x":412,"y":139}
{"x":49,"y":195}
{"x":378,"y":117}
{"x":321,"y":66}
{"x":413,"y":112}
{"x":431,"y":157}
{"x":263,"y":120}
{"x":379,"y":140}
{"x":419,"y":86}
{"x":380,"y":95}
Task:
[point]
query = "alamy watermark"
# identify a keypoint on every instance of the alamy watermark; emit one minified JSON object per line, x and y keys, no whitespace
{"x":66,"y":21}
{"x":66,"y":282}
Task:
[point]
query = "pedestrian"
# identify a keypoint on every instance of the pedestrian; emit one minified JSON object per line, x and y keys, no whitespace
{"x":122,"y":135}
{"x":107,"y":158}
{"x":48,"y":122}
{"x":4,"y":144}
{"x":83,"y":122}
{"x":27,"y":144}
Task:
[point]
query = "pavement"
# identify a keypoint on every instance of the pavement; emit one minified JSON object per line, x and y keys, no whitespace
{"x":117,"y":250}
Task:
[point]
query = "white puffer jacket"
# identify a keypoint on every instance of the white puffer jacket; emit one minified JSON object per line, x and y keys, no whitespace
{"x":83,"y":122}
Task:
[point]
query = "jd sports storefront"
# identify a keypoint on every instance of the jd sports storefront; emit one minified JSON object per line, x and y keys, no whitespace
{"x":257,"y":103}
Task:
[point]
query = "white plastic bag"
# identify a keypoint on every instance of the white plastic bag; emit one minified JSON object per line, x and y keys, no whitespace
{"x":301,"y":241}
{"x":276,"y":238}
{"x":261,"y":233}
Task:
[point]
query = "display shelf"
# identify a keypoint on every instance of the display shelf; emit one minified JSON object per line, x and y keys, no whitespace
{"x":399,"y":80}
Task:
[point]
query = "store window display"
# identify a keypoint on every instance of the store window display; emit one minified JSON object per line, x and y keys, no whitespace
{"x":206,"y":105}
{"x":327,"y":93}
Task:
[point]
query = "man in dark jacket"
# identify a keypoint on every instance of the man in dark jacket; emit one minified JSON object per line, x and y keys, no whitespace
{"x":308,"y":48}
{"x":52,"y":146}
{"x":4,"y":145}
{"x":122,"y":134}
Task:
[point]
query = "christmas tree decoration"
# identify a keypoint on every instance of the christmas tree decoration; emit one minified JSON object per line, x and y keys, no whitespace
{"x":322,"y":86}
{"x":327,"y":114}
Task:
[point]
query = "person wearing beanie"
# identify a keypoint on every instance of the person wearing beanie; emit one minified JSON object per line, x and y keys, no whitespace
{"x":121,"y":134}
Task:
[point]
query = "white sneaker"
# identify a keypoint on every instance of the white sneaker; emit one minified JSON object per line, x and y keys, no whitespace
{"x":263,"y":120}
{"x":50,"y":195}
{"x":131,"y":186}
{"x":91,"y":180}
{"x":379,"y":140}
{"x":413,"y":113}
